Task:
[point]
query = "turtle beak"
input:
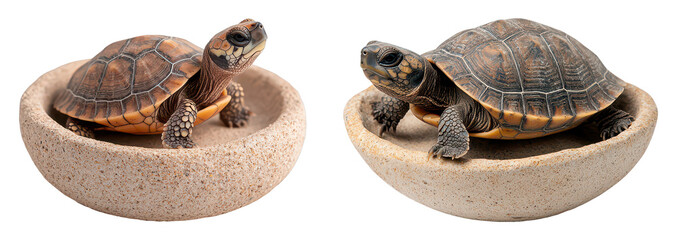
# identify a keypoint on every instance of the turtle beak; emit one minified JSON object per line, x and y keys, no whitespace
{"x":369,"y":61}
{"x":258,"y":34}
{"x":258,"y":39}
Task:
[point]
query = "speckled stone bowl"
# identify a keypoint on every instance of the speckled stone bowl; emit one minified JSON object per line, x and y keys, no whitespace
{"x":508,"y":180}
{"x":133,"y":176}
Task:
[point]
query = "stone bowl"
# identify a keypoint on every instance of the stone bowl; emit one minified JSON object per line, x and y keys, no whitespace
{"x":502,"y":180}
{"x":133,"y":176}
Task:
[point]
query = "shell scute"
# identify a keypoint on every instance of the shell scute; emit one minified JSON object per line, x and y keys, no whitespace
{"x":118,"y":77}
{"x":464,"y":42}
{"x":536,"y":104}
{"x":155,"y":70}
{"x":491,"y":97}
{"x":141,"y":45}
{"x":512,"y":102}
{"x":501,"y":29}
{"x":537,"y":68}
{"x":86,"y":87}
{"x":493,"y":61}
{"x":470,"y":84}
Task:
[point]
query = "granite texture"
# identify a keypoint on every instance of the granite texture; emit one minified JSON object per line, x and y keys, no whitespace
{"x":133,"y":176}
{"x":502,"y":180}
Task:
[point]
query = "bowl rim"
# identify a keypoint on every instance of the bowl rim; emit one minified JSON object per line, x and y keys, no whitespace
{"x":368,"y":143}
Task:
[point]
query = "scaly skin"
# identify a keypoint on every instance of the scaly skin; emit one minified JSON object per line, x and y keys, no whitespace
{"x":178,"y":130}
{"x":453,"y":139}
{"x":388,"y":112}
{"x":612,"y":121}
{"x":79,"y":128}
{"x":236,"y":114}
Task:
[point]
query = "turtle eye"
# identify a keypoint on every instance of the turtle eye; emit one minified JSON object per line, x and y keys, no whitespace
{"x":238,"y":38}
{"x":390,"y":59}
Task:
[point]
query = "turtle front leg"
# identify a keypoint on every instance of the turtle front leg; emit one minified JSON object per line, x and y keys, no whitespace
{"x":79,"y":128}
{"x":453,"y":139}
{"x":178,"y":129}
{"x":235,"y":114}
{"x":612,"y":121}
{"x":388,"y":112}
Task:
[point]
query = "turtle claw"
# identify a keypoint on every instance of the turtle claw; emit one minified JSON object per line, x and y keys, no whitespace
{"x":612,"y":121}
{"x":236,"y":119}
{"x":385,"y":127}
{"x":387,"y":122}
{"x":388,"y":112}
{"x":449,"y":152}
{"x":178,"y":143}
{"x":618,"y":127}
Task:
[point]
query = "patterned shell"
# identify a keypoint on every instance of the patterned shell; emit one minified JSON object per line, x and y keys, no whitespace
{"x":534,"y":79}
{"x":126,"y":82}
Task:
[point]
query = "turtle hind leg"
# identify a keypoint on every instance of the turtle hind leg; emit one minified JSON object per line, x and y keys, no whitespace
{"x":80,"y":128}
{"x":235,"y":114}
{"x":612,"y":121}
{"x":388,"y":112}
{"x":178,"y":129}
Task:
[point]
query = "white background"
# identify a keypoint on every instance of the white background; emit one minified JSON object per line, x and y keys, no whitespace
{"x":332,"y":193}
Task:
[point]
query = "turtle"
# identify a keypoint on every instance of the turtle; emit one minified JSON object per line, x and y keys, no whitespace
{"x":154,"y":84}
{"x":507,"y":79}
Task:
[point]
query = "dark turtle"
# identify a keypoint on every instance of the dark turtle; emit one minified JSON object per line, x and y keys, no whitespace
{"x":508,"y":79}
{"x":157,"y":84}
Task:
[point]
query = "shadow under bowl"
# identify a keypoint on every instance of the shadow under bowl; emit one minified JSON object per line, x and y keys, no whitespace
{"x":502,"y":180}
{"x":133,"y":176}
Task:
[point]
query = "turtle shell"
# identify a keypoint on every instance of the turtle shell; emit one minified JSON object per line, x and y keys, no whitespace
{"x":535,"y":80}
{"x":122,"y":87}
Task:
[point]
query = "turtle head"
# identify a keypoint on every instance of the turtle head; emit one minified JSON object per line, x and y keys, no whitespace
{"x":235,"y":48}
{"x":394,"y":70}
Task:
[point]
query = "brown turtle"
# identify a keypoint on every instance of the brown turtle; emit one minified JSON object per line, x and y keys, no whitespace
{"x":508,"y":79}
{"x":157,"y":84}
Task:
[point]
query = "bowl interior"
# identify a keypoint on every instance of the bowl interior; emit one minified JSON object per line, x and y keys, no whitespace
{"x":416,"y":135}
{"x":261,"y":95}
